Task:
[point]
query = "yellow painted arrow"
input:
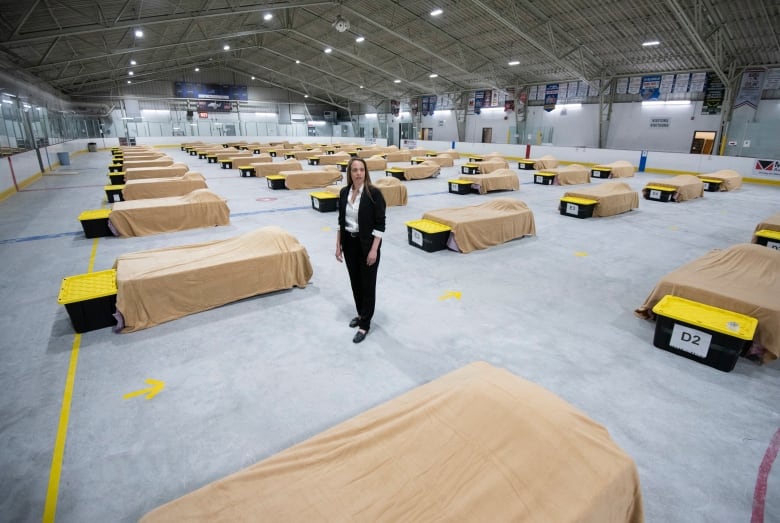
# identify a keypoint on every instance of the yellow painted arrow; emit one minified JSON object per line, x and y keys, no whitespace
{"x":151,"y":392}
{"x":580,"y":254}
{"x":450,"y":294}
{"x":326,"y":229}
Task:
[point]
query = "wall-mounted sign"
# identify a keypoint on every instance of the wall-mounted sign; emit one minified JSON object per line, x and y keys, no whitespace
{"x":203,"y":115}
{"x":659,"y":122}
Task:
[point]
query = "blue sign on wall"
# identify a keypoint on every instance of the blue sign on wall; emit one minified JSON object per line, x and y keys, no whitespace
{"x":211,"y":97}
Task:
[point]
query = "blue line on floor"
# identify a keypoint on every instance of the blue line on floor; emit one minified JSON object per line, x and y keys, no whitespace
{"x":40,"y":237}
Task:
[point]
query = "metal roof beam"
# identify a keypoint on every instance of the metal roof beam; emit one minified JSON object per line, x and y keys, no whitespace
{"x":697,"y":40}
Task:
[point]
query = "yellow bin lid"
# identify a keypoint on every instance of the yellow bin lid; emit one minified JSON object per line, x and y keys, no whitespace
{"x":87,"y":286}
{"x":428,"y":226}
{"x":660,"y":188}
{"x":545,"y":173}
{"x":94,"y":214}
{"x":579,"y":201}
{"x":275,"y":177}
{"x":323,"y":195}
{"x":113,"y":187}
{"x":706,"y":316}
{"x":710,"y":180}
{"x":767,"y":233}
{"x":462,"y":182}
{"x":394,"y":170}
{"x":470,"y":164}
{"x":526,"y":160}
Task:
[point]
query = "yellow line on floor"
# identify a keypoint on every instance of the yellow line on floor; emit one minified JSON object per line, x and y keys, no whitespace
{"x":50,"y":508}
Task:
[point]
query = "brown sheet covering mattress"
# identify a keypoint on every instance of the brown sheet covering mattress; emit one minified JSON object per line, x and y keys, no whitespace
{"x":423,"y":170}
{"x":546,"y":162}
{"x":476,"y":445}
{"x":488,"y":165}
{"x":398,"y":156}
{"x":376,"y":163}
{"x":730,"y":179}
{"x":687,"y":186}
{"x":498,"y":180}
{"x":441,"y":161}
{"x":487,"y":224}
{"x":200,"y":208}
{"x":618,"y":169}
{"x":143,"y":173}
{"x":334,"y":159}
{"x":393,"y":191}
{"x":573,"y":174}
{"x":264,"y":169}
{"x":772,"y":223}
{"x":612,"y":197}
{"x":163,"y":187}
{"x":159,"y":162}
{"x":165,"y":284}
{"x":309,"y":179}
{"x":743,"y":278}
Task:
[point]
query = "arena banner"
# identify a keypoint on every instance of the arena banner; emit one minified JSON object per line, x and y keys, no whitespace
{"x":750,"y":89}
{"x":550,"y":97}
{"x":651,"y":87}
{"x":713,"y":95}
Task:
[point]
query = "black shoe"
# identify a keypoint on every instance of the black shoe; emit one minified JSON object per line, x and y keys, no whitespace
{"x":359,"y":336}
{"x":354,"y":322}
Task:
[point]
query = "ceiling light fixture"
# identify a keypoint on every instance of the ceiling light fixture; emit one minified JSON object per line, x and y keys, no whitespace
{"x":436,"y":12}
{"x":139,"y":33}
{"x":197,"y":69}
{"x":650,"y":43}
{"x":361,"y":87}
{"x":341,"y":24}
{"x":131,"y":73}
{"x":305,"y":95}
{"x":514,"y":62}
{"x":129,"y":82}
{"x":297,"y":61}
{"x":360,"y":39}
{"x":226,"y":47}
{"x":396,"y":81}
{"x":433,"y":75}
{"x":253,"y":78}
{"x":133,"y":62}
{"x":267,"y":16}
{"x":328,"y":50}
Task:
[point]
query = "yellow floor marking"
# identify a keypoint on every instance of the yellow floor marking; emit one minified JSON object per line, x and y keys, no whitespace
{"x":151,"y":392}
{"x":580,"y":254}
{"x":52,"y":492}
{"x":450,"y":294}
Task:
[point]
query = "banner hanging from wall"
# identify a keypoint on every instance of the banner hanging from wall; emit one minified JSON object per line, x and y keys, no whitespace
{"x":432,"y":104}
{"x":211,"y":97}
{"x":479,"y":101}
{"x":750,"y":88}
{"x":713,"y":95}
{"x":395,"y":107}
{"x":651,"y":87}
{"x":550,"y":97}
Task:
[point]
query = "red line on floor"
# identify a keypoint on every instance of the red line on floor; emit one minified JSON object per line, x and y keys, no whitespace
{"x":759,"y":496}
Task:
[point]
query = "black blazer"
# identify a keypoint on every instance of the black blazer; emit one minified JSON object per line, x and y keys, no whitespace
{"x":371,"y":215}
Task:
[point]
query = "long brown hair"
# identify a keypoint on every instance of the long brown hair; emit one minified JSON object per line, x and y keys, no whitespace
{"x":367,"y":183}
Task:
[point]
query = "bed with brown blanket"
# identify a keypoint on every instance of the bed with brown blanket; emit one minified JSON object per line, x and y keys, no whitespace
{"x":441,"y":161}
{"x":144,"y":173}
{"x":742,"y":278}
{"x":729,"y":179}
{"x":376,"y":163}
{"x":333,"y":159}
{"x":612,"y":197}
{"x":546,"y":162}
{"x":685,"y":186}
{"x":200,"y":208}
{"x":498,"y":180}
{"x":264,"y":169}
{"x":163,"y":187}
{"x":618,"y":169}
{"x":771,"y":224}
{"x":165,"y":284}
{"x":488,"y":165}
{"x":573,"y":174}
{"x":484,"y":225}
{"x":159,"y":162}
{"x":309,"y":179}
{"x":478,"y":444}
{"x":398,"y":156}
{"x":420,"y":171}
{"x":393,"y":190}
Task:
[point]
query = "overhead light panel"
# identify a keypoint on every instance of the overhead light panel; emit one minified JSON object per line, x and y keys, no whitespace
{"x":396,"y":81}
{"x":341,"y":24}
{"x":133,"y":62}
{"x":226,"y":47}
{"x":328,"y":50}
{"x":197,"y":69}
{"x":433,"y":75}
{"x":131,"y":73}
{"x":139,"y":33}
{"x":253,"y":78}
{"x":650,"y":43}
{"x":436,"y":12}
{"x":297,"y":61}
{"x":267,"y":16}
{"x":514,"y":62}
{"x":360,"y":39}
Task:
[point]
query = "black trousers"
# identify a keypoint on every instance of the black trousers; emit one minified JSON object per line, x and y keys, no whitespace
{"x":361,"y":277}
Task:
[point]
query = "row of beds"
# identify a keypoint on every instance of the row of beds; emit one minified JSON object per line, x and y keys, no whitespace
{"x":478,"y":443}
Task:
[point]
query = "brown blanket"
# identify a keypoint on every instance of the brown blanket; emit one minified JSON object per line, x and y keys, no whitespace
{"x":686,"y":186}
{"x":333,"y":159}
{"x":498,"y":180}
{"x":393,"y":191}
{"x":200,"y":208}
{"x":398,"y":156}
{"x":488,"y":165}
{"x":546,"y":162}
{"x":618,"y":169}
{"x":743,"y":278}
{"x":478,"y":444}
{"x":264,"y":169}
{"x":441,"y":161}
{"x":612,"y":197}
{"x":423,"y":170}
{"x":573,"y":174}
{"x":490,"y":223}
{"x":163,"y":187}
{"x":729,"y":179}
{"x":159,"y":162}
{"x":164,"y":284}
{"x":772,"y":223}
{"x":312,"y":178}
{"x":143,"y":173}
{"x":376,"y":163}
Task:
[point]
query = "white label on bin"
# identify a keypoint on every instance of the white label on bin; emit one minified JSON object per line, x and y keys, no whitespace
{"x":454,"y":187}
{"x":706,"y":186}
{"x":655,"y":194}
{"x":538,"y":179}
{"x":690,"y":340}
{"x":773,"y":245}
{"x":316,"y":203}
{"x":417,"y":237}
{"x":572,"y":208}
